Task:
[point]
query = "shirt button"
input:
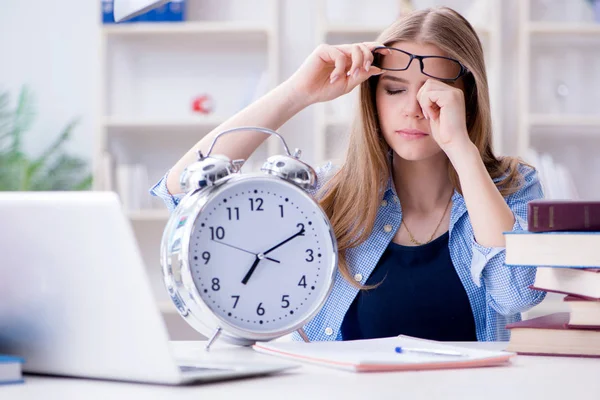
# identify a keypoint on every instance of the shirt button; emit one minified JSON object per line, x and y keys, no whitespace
{"x":328,"y":331}
{"x":387,"y":228}
{"x":384,"y":203}
{"x":358,"y":277}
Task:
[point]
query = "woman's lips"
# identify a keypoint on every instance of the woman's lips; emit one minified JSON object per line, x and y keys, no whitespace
{"x":412,"y":133}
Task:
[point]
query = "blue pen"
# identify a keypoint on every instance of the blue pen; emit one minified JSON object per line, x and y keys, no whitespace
{"x":429,"y":351}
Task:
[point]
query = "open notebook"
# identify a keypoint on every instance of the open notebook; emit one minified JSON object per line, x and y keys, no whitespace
{"x":373,"y":355}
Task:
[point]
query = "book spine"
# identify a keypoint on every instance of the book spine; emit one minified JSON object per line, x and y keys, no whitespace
{"x":549,"y":217}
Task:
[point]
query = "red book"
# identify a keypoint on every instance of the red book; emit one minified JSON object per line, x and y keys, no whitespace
{"x":551,"y":335}
{"x":563,"y":215}
{"x":584,"y":312}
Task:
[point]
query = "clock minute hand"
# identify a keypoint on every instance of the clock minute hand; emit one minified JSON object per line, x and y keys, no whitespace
{"x":285,"y":241}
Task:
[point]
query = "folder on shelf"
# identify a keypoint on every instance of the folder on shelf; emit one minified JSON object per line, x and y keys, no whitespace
{"x":372,"y":355}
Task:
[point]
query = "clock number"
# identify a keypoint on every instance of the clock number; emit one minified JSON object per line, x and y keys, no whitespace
{"x":235,"y":211}
{"x":259,"y":203}
{"x":206,"y":257}
{"x":285,"y":303}
{"x":302,"y":282}
{"x":301,"y":226}
{"x":219,"y":233}
{"x":310,"y":258}
{"x":215,"y":284}
{"x":281,"y":208}
{"x":260,"y":310}
{"x":237,"y":298}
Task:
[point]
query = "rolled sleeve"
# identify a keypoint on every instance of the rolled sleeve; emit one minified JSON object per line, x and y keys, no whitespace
{"x":509,"y":287}
{"x":160,"y":190}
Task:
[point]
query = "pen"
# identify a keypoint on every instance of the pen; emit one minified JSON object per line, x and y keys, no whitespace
{"x":429,"y":351}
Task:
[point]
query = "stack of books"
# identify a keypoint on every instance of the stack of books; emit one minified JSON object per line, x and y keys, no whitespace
{"x":563,"y":241}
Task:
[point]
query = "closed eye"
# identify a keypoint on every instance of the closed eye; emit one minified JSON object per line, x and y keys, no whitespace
{"x":394,"y":92}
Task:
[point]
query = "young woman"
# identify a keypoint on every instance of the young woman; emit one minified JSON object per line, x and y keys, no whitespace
{"x":420,"y":205}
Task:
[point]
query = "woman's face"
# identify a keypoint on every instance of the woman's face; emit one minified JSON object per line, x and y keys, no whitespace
{"x":401,"y":119}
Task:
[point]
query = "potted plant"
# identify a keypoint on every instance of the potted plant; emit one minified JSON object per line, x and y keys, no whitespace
{"x":52,"y":170}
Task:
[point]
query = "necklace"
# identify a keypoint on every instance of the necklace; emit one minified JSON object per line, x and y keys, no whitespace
{"x":415,"y":241}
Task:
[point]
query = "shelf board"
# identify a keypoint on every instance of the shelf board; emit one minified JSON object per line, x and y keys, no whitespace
{"x":148,"y":215}
{"x":584,"y":28}
{"x":149,"y":123}
{"x":558,"y":120}
{"x":178,"y":28}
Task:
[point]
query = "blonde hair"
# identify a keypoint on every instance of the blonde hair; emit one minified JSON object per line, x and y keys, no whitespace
{"x":352,"y":196}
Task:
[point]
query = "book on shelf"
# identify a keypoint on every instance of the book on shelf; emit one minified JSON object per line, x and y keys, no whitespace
{"x":11,"y":369}
{"x":551,"y":335}
{"x":584,"y":313}
{"x":581,"y":282}
{"x":565,"y":249}
{"x":563,"y":215}
{"x":172,"y":11}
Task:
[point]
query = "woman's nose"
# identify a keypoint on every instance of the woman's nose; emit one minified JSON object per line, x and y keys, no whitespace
{"x":412,"y":108}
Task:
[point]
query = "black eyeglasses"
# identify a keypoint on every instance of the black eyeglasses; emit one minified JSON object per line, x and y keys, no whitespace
{"x":438,"y":67}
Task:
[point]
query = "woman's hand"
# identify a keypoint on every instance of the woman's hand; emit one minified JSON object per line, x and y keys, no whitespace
{"x":332,"y":71}
{"x":444,"y":106}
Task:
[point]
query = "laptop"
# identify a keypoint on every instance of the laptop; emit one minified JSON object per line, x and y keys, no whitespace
{"x":76,"y":300}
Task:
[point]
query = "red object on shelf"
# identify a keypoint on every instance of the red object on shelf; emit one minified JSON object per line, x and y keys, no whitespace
{"x":203,"y":104}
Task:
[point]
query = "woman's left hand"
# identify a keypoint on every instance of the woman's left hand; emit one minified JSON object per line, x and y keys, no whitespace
{"x":444,"y":106}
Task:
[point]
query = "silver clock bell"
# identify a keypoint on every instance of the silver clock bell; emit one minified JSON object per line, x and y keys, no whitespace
{"x":211,"y":170}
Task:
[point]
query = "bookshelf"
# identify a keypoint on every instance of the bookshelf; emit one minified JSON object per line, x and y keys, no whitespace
{"x":333,"y":119}
{"x":558,"y":59}
{"x":151,"y":72}
{"x":559,"y":87}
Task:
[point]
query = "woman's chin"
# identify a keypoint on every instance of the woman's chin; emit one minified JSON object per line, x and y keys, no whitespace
{"x":416,"y":153}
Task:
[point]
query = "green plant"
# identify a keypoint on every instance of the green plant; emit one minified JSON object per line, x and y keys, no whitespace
{"x":52,"y":170}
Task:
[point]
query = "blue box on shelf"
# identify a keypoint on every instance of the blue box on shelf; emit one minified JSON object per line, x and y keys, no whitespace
{"x":173,"y":11}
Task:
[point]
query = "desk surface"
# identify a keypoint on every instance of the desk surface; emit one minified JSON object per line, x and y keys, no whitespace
{"x":527,"y":377}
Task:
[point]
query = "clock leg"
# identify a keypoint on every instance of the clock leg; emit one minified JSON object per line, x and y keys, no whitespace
{"x":213,"y":338}
{"x":303,"y":335}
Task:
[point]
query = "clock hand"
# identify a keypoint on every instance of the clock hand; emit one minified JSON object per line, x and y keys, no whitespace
{"x":254,"y":254}
{"x":260,"y":256}
{"x":251,"y":271}
{"x":301,"y":232}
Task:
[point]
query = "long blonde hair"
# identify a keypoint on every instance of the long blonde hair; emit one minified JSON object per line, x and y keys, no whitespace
{"x":352,"y":196}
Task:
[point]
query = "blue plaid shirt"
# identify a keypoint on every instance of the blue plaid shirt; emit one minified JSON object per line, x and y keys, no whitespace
{"x":497,"y":293}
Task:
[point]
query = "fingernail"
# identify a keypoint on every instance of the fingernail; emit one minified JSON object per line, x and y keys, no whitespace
{"x":355,"y":73}
{"x":333,"y":79}
{"x":367,"y":66}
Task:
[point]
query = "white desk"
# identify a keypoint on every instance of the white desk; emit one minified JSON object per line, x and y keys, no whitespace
{"x":527,"y":378}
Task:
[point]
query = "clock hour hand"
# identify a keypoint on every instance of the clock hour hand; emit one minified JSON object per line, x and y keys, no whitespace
{"x":251,"y":271}
{"x":246,"y":251}
{"x":300,"y":233}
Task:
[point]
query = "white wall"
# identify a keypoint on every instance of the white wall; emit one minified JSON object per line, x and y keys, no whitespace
{"x":52,"y":46}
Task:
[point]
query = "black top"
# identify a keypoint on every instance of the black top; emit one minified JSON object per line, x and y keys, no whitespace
{"x":420,"y":295}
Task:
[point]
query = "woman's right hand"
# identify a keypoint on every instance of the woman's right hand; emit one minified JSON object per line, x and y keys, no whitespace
{"x":332,"y":71}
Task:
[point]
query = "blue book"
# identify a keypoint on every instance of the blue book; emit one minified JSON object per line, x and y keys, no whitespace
{"x":553,"y":249}
{"x":11,"y":369}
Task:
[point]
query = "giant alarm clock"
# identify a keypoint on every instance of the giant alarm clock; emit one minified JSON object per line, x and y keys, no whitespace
{"x":248,"y":257}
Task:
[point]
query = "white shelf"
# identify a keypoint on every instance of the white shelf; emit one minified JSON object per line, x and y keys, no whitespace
{"x":178,"y":28}
{"x":582,"y":28}
{"x":150,"y":122}
{"x":148,"y":215}
{"x":587,"y":121}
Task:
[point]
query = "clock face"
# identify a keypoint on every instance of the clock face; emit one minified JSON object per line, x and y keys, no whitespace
{"x":262,"y":255}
